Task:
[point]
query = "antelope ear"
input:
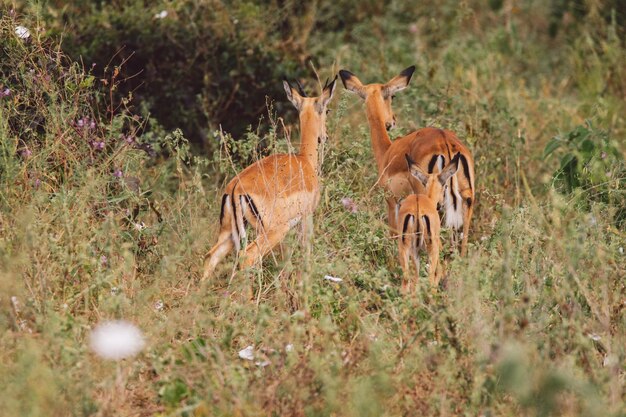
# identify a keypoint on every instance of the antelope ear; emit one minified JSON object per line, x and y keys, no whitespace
{"x":328,"y":91}
{"x":399,"y":82}
{"x":416,"y":171}
{"x":292,"y":95}
{"x":450,"y":170}
{"x":352,"y":83}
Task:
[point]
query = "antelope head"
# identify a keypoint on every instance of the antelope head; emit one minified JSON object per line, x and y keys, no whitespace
{"x":378,"y":97}
{"x":312,"y":110}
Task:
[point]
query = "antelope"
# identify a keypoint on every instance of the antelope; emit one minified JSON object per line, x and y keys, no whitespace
{"x":275,"y":193}
{"x":426,"y":146}
{"x":420,"y":221}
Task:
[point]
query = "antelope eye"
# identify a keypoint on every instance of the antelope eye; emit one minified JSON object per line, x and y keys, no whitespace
{"x":392,"y":97}
{"x":327,"y":111}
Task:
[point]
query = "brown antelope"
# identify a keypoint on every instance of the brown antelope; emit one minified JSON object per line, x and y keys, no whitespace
{"x":275,"y":193}
{"x":418,"y":217}
{"x":426,"y":146}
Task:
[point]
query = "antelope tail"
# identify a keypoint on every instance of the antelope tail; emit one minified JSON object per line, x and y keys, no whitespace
{"x":453,"y":203}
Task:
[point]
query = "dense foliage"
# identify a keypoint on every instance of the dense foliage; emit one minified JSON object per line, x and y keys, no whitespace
{"x":107,"y":206}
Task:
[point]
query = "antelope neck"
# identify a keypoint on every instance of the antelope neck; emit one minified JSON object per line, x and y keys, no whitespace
{"x":309,"y":133}
{"x":378,"y":133}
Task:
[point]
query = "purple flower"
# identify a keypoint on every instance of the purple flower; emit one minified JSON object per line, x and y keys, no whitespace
{"x":80,"y":122}
{"x":118,"y":173}
{"x":103,"y":260}
{"x":413,"y":28}
{"x":26,"y":153}
{"x":5,"y":93}
{"x":349,"y":205}
{"x":37,"y":182}
{"x":128,"y":139}
{"x":98,"y":145}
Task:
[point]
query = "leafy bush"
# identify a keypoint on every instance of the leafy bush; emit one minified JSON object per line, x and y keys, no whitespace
{"x":192,"y":64}
{"x":591,"y":162}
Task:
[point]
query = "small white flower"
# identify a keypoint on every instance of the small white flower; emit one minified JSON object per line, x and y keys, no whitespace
{"x":288,"y":347}
{"x":262,"y":364}
{"x":115,"y":290}
{"x":247,"y":353}
{"x":158,"y":306}
{"x":22,"y":32}
{"x":333,"y":279}
{"x":594,"y":336}
{"x":116,"y":340}
{"x":621,"y":250}
{"x":140,"y":226}
{"x":161,"y":15}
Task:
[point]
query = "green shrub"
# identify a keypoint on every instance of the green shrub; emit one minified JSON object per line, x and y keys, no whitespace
{"x":591,"y":163}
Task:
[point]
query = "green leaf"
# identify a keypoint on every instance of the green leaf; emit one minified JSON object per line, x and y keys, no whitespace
{"x":551,"y":146}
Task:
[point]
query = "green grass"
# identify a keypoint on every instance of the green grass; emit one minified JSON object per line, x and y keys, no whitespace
{"x":532,"y":322}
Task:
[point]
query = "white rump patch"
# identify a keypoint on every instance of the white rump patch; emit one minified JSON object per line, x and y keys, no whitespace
{"x":440,"y":161}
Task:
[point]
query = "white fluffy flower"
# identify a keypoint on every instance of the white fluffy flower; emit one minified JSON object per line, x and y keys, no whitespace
{"x":333,"y":279}
{"x":247,"y":353}
{"x":116,"y":340}
{"x":161,"y":15}
{"x":22,"y":32}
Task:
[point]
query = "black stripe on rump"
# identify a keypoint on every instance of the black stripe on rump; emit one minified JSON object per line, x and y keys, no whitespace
{"x":466,"y":170}
{"x":406,"y":225}
{"x":427,"y":221}
{"x":232,"y":198}
{"x":224,"y":197}
{"x":433,"y":161}
{"x":254,"y":209}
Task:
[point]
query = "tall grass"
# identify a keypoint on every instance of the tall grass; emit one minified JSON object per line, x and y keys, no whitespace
{"x":531,"y":322}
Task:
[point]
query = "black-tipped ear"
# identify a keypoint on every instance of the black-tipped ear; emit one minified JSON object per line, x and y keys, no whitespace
{"x":409,"y":160}
{"x":352,"y":83}
{"x":328,"y":91}
{"x":345,"y":75}
{"x":399,"y":82}
{"x":416,"y":171}
{"x":292,"y":95}
{"x":287,"y":88}
{"x":300,"y":88}
{"x":450,"y":170}
{"x":408,"y":72}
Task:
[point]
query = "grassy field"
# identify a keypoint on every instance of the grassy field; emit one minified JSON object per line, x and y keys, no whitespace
{"x":109,"y":199}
